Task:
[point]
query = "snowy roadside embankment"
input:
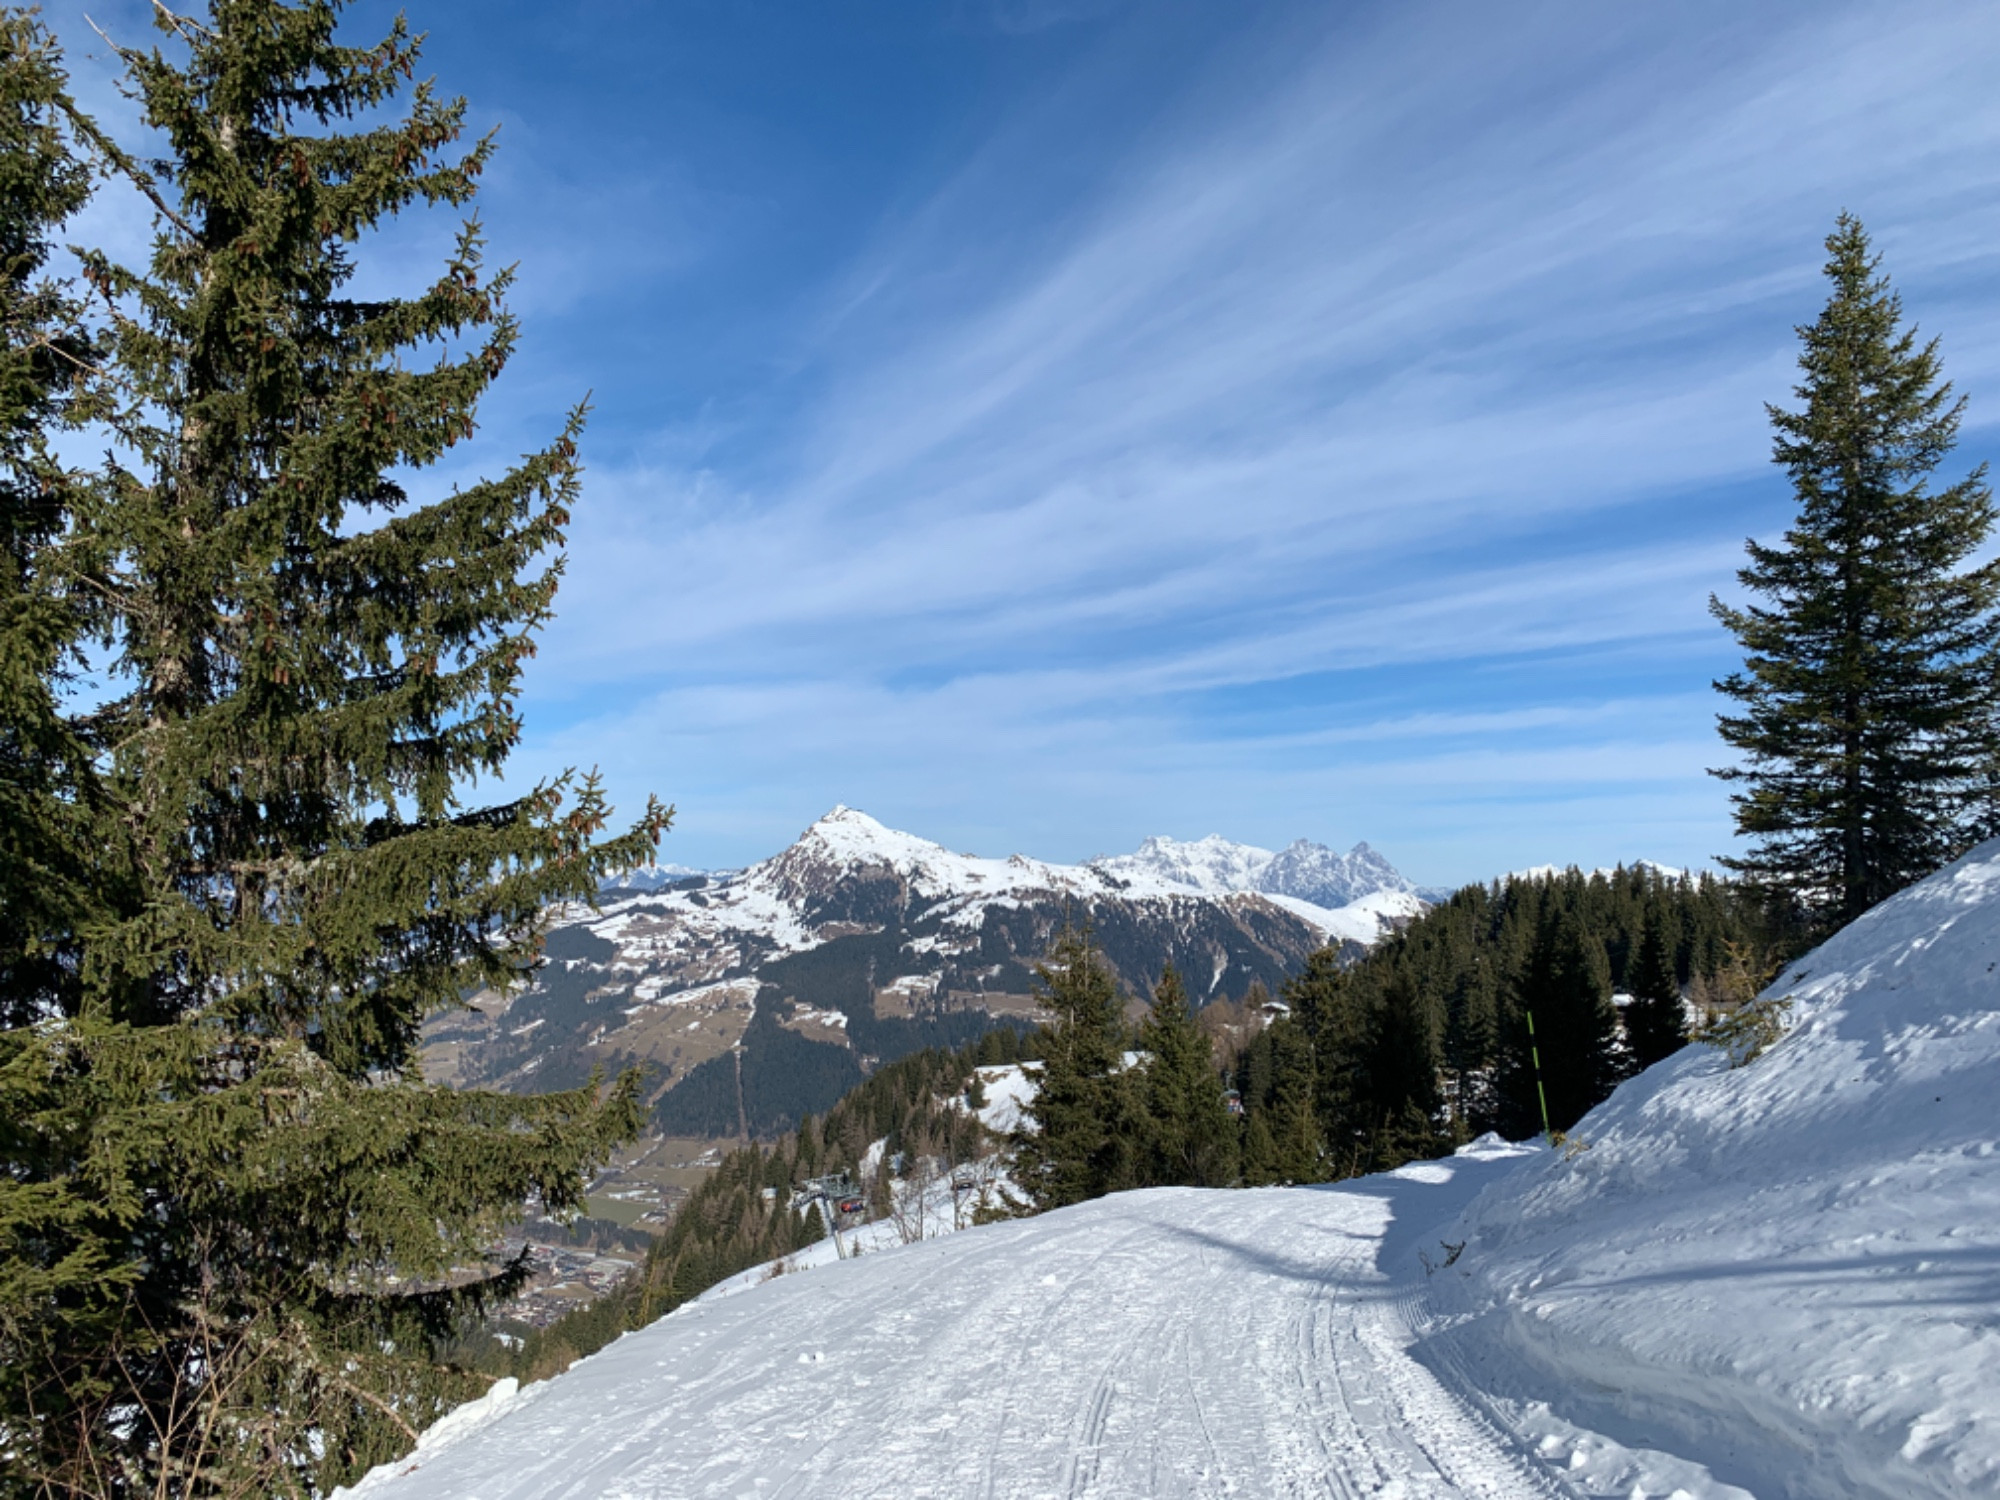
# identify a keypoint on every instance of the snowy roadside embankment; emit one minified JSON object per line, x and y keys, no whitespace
{"x":1789,"y":1271}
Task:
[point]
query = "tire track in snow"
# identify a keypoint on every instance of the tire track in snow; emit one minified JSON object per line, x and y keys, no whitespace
{"x":1030,"y":1359}
{"x":1173,"y":1343}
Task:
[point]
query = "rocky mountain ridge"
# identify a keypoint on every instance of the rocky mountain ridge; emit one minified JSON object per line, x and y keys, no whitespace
{"x":755,"y":996}
{"x":1302,"y":869}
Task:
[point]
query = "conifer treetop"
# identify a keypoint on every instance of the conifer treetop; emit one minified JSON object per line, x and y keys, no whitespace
{"x":1867,"y":703}
{"x":318,"y":667}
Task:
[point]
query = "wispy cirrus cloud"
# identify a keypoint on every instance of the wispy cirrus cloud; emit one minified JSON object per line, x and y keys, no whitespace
{"x":1278,"y":420}
{"x":1432,"y":343}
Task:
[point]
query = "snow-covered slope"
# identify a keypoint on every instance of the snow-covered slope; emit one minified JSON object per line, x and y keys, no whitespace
{"x":1778,"y":1281}
{"x":1365,"y":921}
{"x":1792,"y":1268}
{"x":1213,"y":864}
{"x":1167,"y":1343}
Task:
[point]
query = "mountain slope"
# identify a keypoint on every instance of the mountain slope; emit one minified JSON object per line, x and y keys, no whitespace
{"x":1790,"y":1267}
{"x":761,"y":995}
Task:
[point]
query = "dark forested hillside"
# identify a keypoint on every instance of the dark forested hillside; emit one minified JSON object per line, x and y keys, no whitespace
{"x":1426,"y":1040}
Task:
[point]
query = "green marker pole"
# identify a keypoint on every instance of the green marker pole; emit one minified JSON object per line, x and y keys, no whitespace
{"x":1541,"y":1094}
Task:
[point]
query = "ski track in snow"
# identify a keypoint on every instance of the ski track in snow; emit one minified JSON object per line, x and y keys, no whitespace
{"x":1166,"y":1343}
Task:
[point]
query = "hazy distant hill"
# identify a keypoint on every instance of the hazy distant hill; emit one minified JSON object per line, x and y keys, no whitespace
{"x":762,"y":994}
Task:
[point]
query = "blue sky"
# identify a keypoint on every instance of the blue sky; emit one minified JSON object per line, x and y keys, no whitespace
{"x":1044,"y":423}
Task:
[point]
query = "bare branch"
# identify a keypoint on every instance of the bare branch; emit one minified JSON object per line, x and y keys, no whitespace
{"x":139,"y":177}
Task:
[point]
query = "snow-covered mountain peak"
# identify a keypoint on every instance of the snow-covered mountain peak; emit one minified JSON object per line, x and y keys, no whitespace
{"x":849,"y":834}
{"x":849,"y":872}
{"x":1213,"y":865}
{"x":1303,"y":870}
{"x":1313,"y":872}
{"x":847,"y":845}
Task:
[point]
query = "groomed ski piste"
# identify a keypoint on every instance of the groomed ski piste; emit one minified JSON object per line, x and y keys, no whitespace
{"x":1780,"y":1280}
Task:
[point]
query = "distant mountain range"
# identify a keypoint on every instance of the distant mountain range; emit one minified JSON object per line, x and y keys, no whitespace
{"x":1311,"y":872}
{"x":755,"y":996}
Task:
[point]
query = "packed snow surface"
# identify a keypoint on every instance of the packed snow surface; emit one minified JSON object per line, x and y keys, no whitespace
{"x":1166,"y":1343}
{"x":1778,"y":1281}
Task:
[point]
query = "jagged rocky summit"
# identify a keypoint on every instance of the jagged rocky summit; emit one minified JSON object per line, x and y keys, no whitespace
{"x":1305,"y":870}
{"x":759,"y":995}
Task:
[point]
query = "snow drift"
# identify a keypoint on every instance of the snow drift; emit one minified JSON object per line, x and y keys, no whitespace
{"x":1789,"y":1269}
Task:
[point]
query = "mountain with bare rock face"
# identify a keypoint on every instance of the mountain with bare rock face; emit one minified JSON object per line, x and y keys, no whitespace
{"x":756,"y":996}
{"x":1305,"y":870}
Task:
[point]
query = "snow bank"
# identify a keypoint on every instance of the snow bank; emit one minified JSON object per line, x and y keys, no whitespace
{"x":1008,"y":1089}
{"x":448,"y":1431}
{"x":1789,"y":1270}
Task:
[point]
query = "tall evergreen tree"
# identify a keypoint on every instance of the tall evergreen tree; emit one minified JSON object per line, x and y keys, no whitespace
{"x":1283,"y":1141}
{"x":1331,"y":1010}
{"x":1871,"y":678}
{"x":1567,"y":988}
{"x":46,"y":359}
{"x":58,"y":1282}
{"x":1655,"y":1021}
{"x":1403,"y":1099}
{"x":217,"y":1110}
{"x":1082,"y":1144}
{"x":1191,"y":1139}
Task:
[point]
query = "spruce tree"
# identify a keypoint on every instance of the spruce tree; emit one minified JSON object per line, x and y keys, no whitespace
{"x":1190,"y":1138}
{"x":46,"y":362}
{"x":1567,"y":988}
{"x":1283,"y":1141}
{"x":1294,"y":1118}
{"x":217,"y":1112}
{"x":1871,"y":677}
{"x":1261,"y":1164}
{"x":1404,"y":1101}
{"x":1331,"y":1009}
{"x":1082,"y":1144}
{"x":1655,"y":1022}
{"x":59,"y":1284}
